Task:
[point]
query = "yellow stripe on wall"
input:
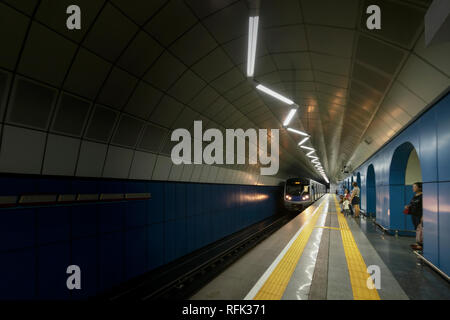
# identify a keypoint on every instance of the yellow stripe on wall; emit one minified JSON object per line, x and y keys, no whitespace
{"x":275,"y":285}
{"x":356,"y":266}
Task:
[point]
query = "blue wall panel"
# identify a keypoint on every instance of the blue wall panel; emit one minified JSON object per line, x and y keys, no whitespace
{"x":169,"y":202}
{"x":111,"y":217}
{"x":135,"y":252}
{"x":444,"y":226}
{"x":191,"y":230}
{"x":155,"y":246}
{"x":111,"y":262}
{"x":428,"y":146}
{"x":85,"y":255}
{"x":155,"y":209}
{"x":136,"y":214}
{"x":443,"y":137}
{"x":397,"y":199}
{"x":52,"y":266}
{"x":84,"y":220}
{"x":17,"y":229}
{"x":53,"y":224}
{"x":18,"y":275}
{"x":430,"y":222}
{"x":114,"y":241}
{"x":14,"y":186}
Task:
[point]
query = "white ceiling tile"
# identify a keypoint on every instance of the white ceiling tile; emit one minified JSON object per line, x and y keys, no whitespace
{"x":60,"y":155}
{"x":91,"y":159}
{"x":118,"y":163}
{"x":437,"y":55}
{"x":176,"y":172}
{"x":142,"y":166}
{"x":162,"y":168}
{"x":22,"y":150}
{"x":171,"y":22}
{"x":429,"y":84}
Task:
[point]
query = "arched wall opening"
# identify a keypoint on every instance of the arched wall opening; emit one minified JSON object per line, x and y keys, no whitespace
{"x":371,"y":192}
{"x":404,"y":171}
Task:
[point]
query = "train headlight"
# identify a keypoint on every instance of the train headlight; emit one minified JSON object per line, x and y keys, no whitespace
{"x":305,"y":197}
{"x":288,"y":197}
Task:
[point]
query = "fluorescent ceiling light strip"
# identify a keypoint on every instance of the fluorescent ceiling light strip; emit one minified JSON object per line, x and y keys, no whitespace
{"x":250,"y":49}
{"x":315,"y":161}
{"x":274,"y":94}
{"x":289,"y":117}
{"x":298,"y":132}
{"x":252,"y":41}
{"x":314,"y":158}
{"x":308,"y":148}
{"x":303,"y":141}
{"x":310,"y":153}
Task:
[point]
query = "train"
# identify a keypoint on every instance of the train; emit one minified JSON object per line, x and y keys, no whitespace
{"x":301,"y":192}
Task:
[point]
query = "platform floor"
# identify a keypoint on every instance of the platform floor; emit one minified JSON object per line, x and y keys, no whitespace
{"x":322,"y":255}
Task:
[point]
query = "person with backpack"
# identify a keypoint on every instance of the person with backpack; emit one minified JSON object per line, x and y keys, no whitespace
{"x":415,"y":209}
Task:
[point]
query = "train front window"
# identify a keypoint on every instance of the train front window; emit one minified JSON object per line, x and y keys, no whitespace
{"x":296,"y":189}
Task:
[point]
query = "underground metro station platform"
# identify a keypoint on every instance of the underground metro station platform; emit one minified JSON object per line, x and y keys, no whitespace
{"x":185,"y":153}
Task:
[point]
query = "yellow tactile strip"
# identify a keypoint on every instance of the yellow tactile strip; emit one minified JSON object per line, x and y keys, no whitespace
{"x":356,"y":266}
{"x":277,"y":282}
{"x":332,"y":228}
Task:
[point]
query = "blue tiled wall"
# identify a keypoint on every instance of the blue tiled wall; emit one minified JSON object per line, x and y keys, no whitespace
{"x":430,"y":136}
{"x":114,"y":241}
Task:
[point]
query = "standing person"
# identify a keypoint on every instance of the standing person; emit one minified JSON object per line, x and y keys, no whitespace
{"x":415,"y":208}
{"x":355,"y":199}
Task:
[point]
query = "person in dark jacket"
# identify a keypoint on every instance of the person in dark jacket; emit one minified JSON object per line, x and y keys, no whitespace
{"x":355,"y":199}
{"x":415,"y":208}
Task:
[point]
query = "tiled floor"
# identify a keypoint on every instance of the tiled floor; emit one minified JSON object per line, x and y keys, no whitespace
{"x":417,"y":279}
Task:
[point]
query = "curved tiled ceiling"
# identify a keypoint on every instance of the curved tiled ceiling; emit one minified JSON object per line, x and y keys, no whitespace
{"x":139,"y":69}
